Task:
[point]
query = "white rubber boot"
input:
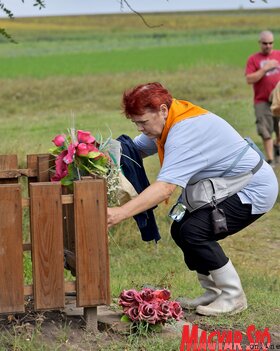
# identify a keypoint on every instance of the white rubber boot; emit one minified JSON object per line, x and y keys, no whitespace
{"x":210,"y":294}
{"x":232,"y":299}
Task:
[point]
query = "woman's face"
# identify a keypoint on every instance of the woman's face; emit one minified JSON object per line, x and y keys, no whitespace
{"x":151,"y":123}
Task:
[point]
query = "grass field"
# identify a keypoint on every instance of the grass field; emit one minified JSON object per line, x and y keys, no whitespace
{"x":79,"y":66}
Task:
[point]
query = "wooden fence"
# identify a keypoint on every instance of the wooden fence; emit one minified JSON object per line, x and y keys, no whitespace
{"x":57,"y":221}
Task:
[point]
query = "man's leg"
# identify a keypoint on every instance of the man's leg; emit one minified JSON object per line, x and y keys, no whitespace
{"x":265,"y":128}
{"x":268,"y":149}
{"x":276,"y":145}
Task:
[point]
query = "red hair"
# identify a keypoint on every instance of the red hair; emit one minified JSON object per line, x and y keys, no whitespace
{"x":145,"y":97}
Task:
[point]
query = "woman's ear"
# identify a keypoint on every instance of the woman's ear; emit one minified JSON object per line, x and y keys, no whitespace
{"x":164,"y":110}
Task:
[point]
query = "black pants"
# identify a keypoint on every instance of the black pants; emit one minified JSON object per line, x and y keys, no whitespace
{"x":194,"y":234}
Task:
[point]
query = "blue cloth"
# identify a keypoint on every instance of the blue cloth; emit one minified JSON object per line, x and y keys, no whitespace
{"x":135,"y":173}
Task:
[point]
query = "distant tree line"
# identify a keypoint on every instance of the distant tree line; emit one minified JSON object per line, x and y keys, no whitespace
{"x":42,"y":3}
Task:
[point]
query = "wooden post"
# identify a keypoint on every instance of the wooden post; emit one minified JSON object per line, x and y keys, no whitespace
{"x":92,"y":256}
{"x":11,"y":252}
{"x":8,"y":162}
{"x":90,"y":315}
{"x":47,"y":245}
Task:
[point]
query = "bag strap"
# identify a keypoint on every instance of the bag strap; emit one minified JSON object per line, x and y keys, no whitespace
{"x":257,"y":167}
{"x":238,"y":158}
{"x":243,"y":152}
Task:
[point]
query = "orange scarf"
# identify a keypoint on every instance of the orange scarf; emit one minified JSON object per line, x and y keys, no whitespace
{"x":179,"y":110}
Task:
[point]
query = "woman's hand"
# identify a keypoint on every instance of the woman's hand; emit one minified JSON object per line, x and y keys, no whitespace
{"x":150,"y":197}
{"x":115,"y":215}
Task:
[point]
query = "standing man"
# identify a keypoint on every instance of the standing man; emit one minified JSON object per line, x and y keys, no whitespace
{"x":263,"y":72}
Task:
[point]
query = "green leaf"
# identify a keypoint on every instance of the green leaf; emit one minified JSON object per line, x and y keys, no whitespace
{"x":98,"y":166}
{"x":93,"y":154}
{"x":125,"y":318}
{"x":66,"y":181}
{"x":101,"y":168}
{"x":55,"y":150}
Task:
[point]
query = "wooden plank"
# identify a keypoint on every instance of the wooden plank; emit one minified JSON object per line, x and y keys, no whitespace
{"x":26,"y":246}
{"x":69,"y":287}
{"x":11,"y":252}
{"x":47,"y":245}
{"x":92,"y":257}
{"x":8,"y":162}
{"x":15,"y":173}
{"x":40,"y":166}
{"x":43,"y":166}
{"x":65,"y":200}
{"x":32,"y":163}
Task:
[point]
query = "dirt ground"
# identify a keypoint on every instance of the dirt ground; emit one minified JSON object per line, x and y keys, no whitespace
{"x":69,"y":332}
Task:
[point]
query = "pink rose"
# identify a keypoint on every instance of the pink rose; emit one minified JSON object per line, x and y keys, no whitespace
{"x":70,"y":154}
{"x":148,"y":312}
{"x":59,"y":140}
{"x":92,"y":148}
{"x":61,"y":169}
{"x":147,"y":294}
{"x":129,"y":298}
{"x":85,"y":137}
{"x":163,"y":294}
{"x":83,"y":149}
{"x":163,"y":311}
{"x":133,"y":313}
{"x":176,"y":310}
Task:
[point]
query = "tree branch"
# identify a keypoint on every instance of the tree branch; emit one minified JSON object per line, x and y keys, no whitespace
{"x":138,"y":14}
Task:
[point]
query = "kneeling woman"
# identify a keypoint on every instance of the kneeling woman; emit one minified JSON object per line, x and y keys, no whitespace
{"x":194,"y":144}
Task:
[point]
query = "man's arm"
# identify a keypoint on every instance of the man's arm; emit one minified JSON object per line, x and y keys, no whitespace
{"x":256,"y":76}
{"x":150,"y":197}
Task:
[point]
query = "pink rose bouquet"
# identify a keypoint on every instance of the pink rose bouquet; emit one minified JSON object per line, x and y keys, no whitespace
{"x":149,"y":308}
{"x":80,"y":154}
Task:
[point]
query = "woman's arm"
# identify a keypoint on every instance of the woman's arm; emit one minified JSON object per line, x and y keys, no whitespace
{"x":150,"y":197}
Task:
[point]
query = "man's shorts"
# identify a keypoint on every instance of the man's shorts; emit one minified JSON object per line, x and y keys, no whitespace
{"x":265,"y":122}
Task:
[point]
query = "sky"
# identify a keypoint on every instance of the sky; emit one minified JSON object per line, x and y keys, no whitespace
{"x":76,"y":7}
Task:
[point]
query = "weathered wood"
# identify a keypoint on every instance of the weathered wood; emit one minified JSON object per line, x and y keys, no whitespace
{"x":92,"y":266}
{"x":26,"y":246}
{"x":90,"y":315}
{"x":69,"y":287}
{"x":67,"y":199}
{"x":11,"y":253}
{"x":16,"y":173}
{"x":8,"y":162}
{"x":47,"y":245}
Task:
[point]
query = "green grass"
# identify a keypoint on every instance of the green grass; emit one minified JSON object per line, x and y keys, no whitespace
{"x":79,"y":66}
{"x":127,"y":60}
